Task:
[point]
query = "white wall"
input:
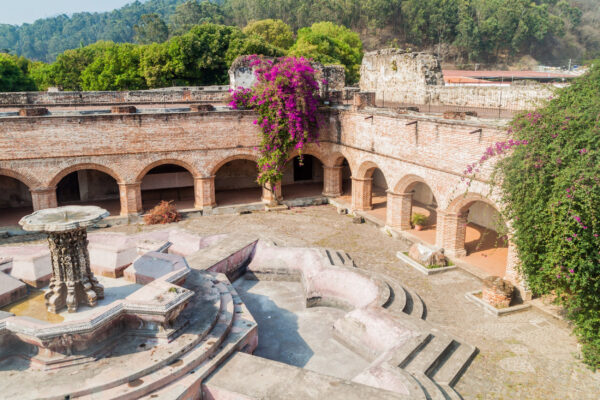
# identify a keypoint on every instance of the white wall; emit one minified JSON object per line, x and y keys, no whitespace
{"x":483,"y":214}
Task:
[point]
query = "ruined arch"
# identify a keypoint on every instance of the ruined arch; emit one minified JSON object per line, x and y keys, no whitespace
{"x":462,"y":203}
{"x":366,"y":170}
{"x":28,"y":181}
{"x":244,"y":156}
{"x":78,"y":167}
{"x":407,"y":182}
{"x":189,"y":167}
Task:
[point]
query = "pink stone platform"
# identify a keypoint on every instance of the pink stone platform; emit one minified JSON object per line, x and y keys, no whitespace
{"x":30,"y":264}
{"x":112,"y":252}
{"x":11,"y":289}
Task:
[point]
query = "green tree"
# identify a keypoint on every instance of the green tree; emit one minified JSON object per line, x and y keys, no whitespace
{"x":275,"y":32}
{"x":151,"y":29}
{"x":117,"y":68}
{"x":12,"y":77}
{"x":200,"y":57}
{"x":42,"y":75}
{"x":328,"y":43}
{"x":193,"y":13}
{"x":66,"y":71}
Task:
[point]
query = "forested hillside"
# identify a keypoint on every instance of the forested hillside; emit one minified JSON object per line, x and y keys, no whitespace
{"x":461,"y":31}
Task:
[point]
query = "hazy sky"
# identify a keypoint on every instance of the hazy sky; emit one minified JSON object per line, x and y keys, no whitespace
{"x":16,"y":12}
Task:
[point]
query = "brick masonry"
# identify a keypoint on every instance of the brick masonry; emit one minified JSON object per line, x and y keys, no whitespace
{"x":408,"y":148}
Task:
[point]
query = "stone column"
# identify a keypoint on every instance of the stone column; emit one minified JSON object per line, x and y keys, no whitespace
{"x":451,"y":230}
{"x":361,"y":194}
{"x":204,"y":192}
{"x":269,"y":195}
{"x":131,"y":198}
{"x":399,"y":210}
{"x":332,"y":181}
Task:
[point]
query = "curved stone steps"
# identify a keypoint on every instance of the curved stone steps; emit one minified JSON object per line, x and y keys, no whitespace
{"x":143,"y":365}
{"x":181,"y":363}
{"x":450,"y":392}
{"x":189,"y":384}
{"x":431,"y":389}
{"x":414,"y":304}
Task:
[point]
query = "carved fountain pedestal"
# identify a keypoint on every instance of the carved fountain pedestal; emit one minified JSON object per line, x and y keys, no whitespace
{"x":72,"y":282}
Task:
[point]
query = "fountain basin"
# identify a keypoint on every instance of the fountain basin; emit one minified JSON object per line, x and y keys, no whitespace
{"x":150,"y":311}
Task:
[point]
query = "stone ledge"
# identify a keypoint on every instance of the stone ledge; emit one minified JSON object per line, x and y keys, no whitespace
{"x":420,"y":268}
{"x":498,"y":312}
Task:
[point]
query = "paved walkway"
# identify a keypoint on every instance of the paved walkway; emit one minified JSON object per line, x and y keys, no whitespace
{"x":528,"y":355}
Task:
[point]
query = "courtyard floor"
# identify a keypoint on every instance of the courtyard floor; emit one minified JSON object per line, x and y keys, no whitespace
{"x":527,"y":355}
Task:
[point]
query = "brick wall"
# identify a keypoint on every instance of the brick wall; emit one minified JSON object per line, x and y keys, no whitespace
{"x":215,"y":94}
{"x":416,"y":78}
{"x":408,"y":149}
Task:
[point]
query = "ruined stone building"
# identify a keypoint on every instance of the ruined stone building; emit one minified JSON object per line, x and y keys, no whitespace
{"x":373,"y":157}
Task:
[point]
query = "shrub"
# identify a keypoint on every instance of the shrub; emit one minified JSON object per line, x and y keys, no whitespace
{"x":164,"y":213}
{"x":419,"y":219}
{"x":550,"y":190}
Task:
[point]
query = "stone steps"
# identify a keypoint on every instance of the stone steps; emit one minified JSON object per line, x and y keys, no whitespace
{"x":429,"y":356}
{"x":338,"y":258}
{"x":176,"y":368}
{"x":414,"y":304}
{"x":430,"y":388}
{"x":188,"y":385}
{"x":452,"y":369}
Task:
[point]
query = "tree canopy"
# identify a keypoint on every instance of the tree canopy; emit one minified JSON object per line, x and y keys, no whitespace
{"x":328,"y":43}
{"x":275,"y":32}
{"x":13,"y":77}
{"x":151,"y":29}
{"x":487,"y":31}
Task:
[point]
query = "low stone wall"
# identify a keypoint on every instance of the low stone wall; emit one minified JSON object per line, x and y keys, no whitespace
{"x":215,"y":94}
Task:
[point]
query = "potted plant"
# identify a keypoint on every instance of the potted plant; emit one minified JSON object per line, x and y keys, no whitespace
{"x":419,"y":221}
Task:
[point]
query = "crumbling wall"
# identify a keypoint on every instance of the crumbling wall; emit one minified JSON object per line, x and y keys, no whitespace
{"x":329,"y":77}
{"x":400,"y":77}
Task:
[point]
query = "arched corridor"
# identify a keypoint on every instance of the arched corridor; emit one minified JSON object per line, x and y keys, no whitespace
{"x":89,"y":187}
{"x":485,"y":248}
{"x":236,"y":183}
{"x":15,"y":200}
{"x":302,"y":178}
{"x":168,"y":182}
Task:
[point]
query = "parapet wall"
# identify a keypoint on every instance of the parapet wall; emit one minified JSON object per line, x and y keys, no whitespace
{"x":214,"y":94}
{"x":416,"y":78}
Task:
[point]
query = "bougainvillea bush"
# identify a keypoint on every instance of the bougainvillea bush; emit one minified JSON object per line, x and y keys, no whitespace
{"x":286,"y":99}
{"x":550,"y":181}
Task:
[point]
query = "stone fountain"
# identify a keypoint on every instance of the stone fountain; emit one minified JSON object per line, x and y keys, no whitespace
{"x":72,"y":282}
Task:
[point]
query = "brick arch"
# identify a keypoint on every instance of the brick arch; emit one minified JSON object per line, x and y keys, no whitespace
{"x":78,"y":167}
{"x":244,"y":156}
{"x":337,"y":158}
{"x":463,"y":202}
{"x":189,"y":167}
{"x":366,"y":169}
{"x":406,"y":183}
{"x":295,"y":154}
{"x":28,"y":181}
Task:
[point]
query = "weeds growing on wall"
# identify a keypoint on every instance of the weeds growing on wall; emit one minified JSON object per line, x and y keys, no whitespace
{"x":548,"y":173}
{"x":286,"y":99}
